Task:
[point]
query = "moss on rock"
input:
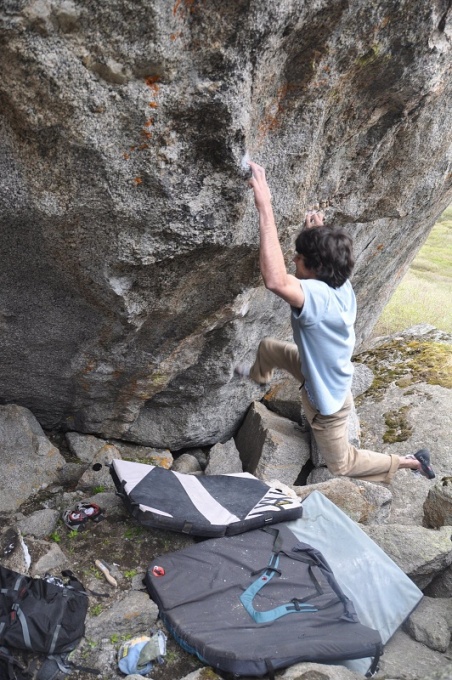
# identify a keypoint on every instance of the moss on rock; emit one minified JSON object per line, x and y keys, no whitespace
{"x":406,"y":363}
{"x":398,"y":427}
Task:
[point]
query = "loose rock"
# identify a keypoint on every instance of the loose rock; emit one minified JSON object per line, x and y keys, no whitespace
{"x":271,"y":446}
{"x":39,"y":461}
{"x":223,"y":459}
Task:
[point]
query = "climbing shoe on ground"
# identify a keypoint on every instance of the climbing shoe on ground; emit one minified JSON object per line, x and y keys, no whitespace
{"x":91,"y":510}
{"x":77,"y":518}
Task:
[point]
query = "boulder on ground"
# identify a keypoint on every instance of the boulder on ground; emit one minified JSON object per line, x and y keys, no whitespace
{"x":405,"y":658}
{"x":431,"y":622}
{"x":317,"y":671}
{"x":409,"y":492}
{"x":47,"y":557}
{"x":444,"y":673}
{"x":40,"y":523}
{"x":271,"y":446}
{"x":223,"y":459}
{"x":30,"y":462}
{"x":98,"y":474}
{"x":284,"y":398}
{"x":132,"y":614}
{"x":441,"y":586}
{"x":438,"y":504}
{"x":421,"y":553}
{"x":86,"y":447}
{"x":186,"y":464}
{"x":358,"y":501}
{"x":363,"y":377}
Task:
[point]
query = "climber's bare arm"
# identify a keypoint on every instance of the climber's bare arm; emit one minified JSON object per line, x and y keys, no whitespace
{"x":271,"y":259}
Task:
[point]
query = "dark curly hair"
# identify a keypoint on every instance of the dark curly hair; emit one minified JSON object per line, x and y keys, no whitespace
{"x":328,"y":252}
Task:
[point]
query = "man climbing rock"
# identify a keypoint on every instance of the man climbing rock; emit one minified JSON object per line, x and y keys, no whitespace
{"x":323,"y":311}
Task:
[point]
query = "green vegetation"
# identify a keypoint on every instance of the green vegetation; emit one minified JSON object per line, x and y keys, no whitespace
{"x":134,"y":532}
{"x":91,"y":644}
{"x":116,"y":638}
{"x":55,"y":537}
{"x":398,"y":427}
{"x":99,"y":489}
{"x":209,"y":674}
{"x":172,"y":656}
{"x":424,"y":293}
{"x":96,"y":609}
{"x":130,"y":573}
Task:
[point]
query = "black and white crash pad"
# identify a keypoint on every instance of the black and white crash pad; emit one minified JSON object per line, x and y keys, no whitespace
{"x":207,"y":506}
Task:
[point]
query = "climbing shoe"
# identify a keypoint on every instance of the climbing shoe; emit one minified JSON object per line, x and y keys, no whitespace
{"x":77,"y":518}
{"x":423,"y":456}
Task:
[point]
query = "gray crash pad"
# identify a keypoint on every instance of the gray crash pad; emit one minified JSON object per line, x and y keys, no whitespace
{"x":382,"y":594}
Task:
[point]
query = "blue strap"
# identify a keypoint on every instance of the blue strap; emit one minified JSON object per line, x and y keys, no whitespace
{"x":249,"y":594}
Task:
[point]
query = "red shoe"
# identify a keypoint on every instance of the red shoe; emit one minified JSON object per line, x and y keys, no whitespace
{"x":76,"y":519}
{"x":91,"y":510}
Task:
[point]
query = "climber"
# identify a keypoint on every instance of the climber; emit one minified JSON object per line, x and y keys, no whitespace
{"x":323,"y":311}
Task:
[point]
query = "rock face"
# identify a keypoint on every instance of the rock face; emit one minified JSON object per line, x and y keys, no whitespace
{"x":130,"y":283}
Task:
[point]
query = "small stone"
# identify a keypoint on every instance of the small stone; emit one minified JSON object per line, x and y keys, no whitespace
{"x":186,"y":464}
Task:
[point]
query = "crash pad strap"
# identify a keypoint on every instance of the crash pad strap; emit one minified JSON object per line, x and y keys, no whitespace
{"x":249,"y":594}
{"x":278,"y":541}
{"x":374,"y":667}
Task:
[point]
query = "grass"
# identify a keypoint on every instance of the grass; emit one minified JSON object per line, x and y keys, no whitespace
{"x":130,"y":573}
{"x":96,"y":609}
{"x":424,"y":296}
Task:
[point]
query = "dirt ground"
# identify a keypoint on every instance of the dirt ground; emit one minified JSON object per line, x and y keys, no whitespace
{"x":128,"y":548}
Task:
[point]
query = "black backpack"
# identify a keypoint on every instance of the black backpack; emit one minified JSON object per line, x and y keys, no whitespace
{"x":40,"y":615}
{"x":11,"y":668}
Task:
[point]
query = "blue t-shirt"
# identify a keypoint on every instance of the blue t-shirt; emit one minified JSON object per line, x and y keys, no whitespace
{"x":325,"y":337}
